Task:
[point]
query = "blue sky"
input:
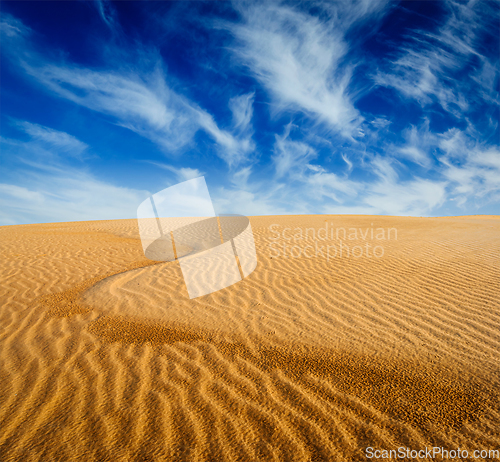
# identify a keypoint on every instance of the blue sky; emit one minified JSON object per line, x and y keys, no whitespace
{"x":344,"y":107}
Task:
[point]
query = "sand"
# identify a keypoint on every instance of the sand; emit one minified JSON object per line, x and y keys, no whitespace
{"x":103,"y":356}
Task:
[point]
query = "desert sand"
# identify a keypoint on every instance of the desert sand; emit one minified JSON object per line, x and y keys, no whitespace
{"x":103,"y":356}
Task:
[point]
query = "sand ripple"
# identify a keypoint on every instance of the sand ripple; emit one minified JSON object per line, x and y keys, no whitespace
{"x":105,"y":358}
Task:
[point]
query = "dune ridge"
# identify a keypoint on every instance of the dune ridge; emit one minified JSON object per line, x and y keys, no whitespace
{"x":104,"y":356}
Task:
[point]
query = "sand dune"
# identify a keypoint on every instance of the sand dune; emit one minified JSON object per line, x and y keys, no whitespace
{"x":310,"y":358}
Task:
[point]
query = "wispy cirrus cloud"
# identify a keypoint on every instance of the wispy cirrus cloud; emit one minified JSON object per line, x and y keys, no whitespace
{"x":472,"y":168}
{"x":50,"y":138}
{"x":390,"y":194}
{"x":46,"y":185}
{"x":137,"y":98}
{"x":293,"y":162}
{"x":143,"y":104}
{"x":181,"y":173}
{"x":440,"y":66}
{"x":68,"y":194}
{"x":107,"y":13}
{"x":418,"y":144}
{"x":299,"y":58}
{"x":235,"y":144}
{"x":290,"y":157}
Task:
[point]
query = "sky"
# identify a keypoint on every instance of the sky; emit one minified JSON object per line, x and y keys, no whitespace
{"x":339,"y":107}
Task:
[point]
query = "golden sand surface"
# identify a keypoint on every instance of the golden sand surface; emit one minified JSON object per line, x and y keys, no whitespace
{"x":103,"y":356}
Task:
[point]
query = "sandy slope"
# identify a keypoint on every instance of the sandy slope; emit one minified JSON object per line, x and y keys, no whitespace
{"x":105,"y":358}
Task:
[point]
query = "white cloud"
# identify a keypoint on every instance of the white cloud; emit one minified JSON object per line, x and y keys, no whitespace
{"x":45,"y":187}
{"x":107,"y":13}
{"x":311,"y":185}
{"x":45,"y":145}
{"x":242,"y":109}
{"x":53,"y":138}
{"x":21,"y":193}
{"x":233,"y":200}
{"x":380,"y":122}
{"x":347,"y":161}
{"x":66,"y":195}
{"x":417,"y":197}
{"x":292,"y":162}
{"x":298,"y":59}
{"x":419,"y":141}
{"x":290,"y":157}
{"x":233,"y":146}
{"x":181,"y":173}
{"x":316,"y":190}
{"x":427,"y":70}
{"x":323,"y":183}
{"x":13,"y":28}
{"x":145,"y":105}
{"x":486,"y":79}
{"x":138,"y":98}
{"x":472,"y":169}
